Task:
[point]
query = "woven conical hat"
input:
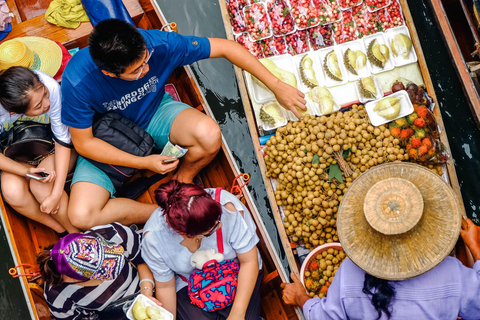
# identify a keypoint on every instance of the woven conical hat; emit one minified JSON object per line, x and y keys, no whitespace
{"x":405,"y":238}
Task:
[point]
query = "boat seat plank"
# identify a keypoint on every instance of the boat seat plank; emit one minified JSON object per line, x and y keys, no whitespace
{"x":29,"y":9}
{"x":14,"y":10}
{"x":272,"y":308}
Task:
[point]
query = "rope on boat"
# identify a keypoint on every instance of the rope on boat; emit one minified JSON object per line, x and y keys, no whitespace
{"x":171,"y":27}
{"x":237,"y":189}
{"x":15,"y":274}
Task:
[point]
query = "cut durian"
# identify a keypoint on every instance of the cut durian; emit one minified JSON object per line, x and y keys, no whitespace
{"x":354,"y":60}
{"x":401,"y":45}
{"x":271,"y":114}
{"x":281,"y":74}
{"x":378,"y":54}
{"x":366,"y":87}
{"x":307,"y":73}
{"x":331,"y":67}
{"x":388,"y":108}
{"x":323,"y":98}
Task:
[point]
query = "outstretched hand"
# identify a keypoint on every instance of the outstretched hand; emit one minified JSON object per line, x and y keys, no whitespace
{"x":155,"y":163}
{"x":289,"y":97}
{"x":49,"y":178}
{"x":294,"y":293}
{"x":471,"y":236}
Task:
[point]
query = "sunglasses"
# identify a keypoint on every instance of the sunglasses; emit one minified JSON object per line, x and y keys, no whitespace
{"x":145,"y":63}
{"x":215,"y":227}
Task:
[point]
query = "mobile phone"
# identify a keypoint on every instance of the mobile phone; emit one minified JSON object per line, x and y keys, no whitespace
{"x":38,"y":175}
{"x":166,"y":161}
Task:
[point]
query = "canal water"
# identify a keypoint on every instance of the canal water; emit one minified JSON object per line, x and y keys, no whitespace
{"x":217,"y":79}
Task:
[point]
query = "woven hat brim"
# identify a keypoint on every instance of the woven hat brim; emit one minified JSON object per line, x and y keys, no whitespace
{"x":48,"y":51}
{"x":403,"y":256}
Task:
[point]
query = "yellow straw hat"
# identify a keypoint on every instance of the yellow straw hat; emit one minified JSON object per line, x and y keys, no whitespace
{"x":398,"y":220}
{"x":35,"y":53}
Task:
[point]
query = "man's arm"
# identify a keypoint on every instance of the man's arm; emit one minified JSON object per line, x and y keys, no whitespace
{"x":96,"y":149}
{"x":288,"y":96}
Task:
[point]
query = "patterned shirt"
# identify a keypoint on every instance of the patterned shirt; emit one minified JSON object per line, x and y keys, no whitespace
{"x":71,"y":301}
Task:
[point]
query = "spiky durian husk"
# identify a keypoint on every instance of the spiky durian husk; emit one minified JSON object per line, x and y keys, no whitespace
{"x":364,"y":91}
{"x":266,"y":118}
{"x":371,"y":56}
{"x":309,"y":82}
{"x":348,"y":65}
{"x":327,"y":69}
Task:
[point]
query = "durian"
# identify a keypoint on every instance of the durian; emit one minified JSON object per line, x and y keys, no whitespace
{"x":389,"y":108}
{"x":271,"y":114}
{"x":323,"y":98}
{"x":153,"y":313}
{"x":138,"y":311}
{"x":366,"y":87}
{"x":306,"y":72}
{"x":401,"y":45}
{"x":281,"y":74}
{"x":331,"y":67}
{"x":354,"y":60}
{"x":378,"y":54}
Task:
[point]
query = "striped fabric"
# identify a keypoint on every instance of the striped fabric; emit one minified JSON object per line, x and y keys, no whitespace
{"x":72,"y":301}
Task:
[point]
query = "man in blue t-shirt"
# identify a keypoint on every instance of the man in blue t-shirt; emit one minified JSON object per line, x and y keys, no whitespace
{"x":124,"y":70}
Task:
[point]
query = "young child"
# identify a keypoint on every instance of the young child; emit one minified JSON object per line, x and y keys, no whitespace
{"x":35,"y":96}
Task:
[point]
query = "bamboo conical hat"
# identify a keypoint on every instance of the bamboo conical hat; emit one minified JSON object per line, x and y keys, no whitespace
{"x":405,"y":238}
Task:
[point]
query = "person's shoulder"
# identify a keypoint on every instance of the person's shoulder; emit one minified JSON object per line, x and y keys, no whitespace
{"x":79,"y":66}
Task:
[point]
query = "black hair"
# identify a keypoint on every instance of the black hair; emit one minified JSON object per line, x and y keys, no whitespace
{"x":16,"y":84}
{"x":382,"y":294}
{"x":48,"y":270}
{"x":115,"y":44}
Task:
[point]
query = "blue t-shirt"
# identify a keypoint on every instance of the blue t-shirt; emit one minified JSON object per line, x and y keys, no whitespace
{"x":85,"y":89}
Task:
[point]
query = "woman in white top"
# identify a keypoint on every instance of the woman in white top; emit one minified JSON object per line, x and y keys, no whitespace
{"x":187,"y":221}
{"x":35,"y":96}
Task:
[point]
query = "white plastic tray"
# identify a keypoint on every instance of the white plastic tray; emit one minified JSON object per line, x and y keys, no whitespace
{"x":381,"y":40}
{"x":320,"y":56}
{"x":399,"y":60}
{"x":147,"y":302}
{"x":378,"y":96}
{"x":343,"y":9}
{"x":314,"y":106}
{"x":266,"y":126}
{"x":285,"y":62}
{"x":317,"y":67}
{"x":405,"y":109}
{"x":268,"y":20}
{"x":355,"y":45}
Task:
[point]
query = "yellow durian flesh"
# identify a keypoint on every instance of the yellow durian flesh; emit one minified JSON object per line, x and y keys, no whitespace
{"x":378,"y":54}
{"x":367,"y":88}
{"x":153,"y":313}
{"x":323,"y":98}
{"x":271,"y":114}
{"x":361,"y":60}
{"x":388,"y":108}
{"x":281,"y":74}
{"x":138,"y":311}
{"x":331,"y":67}
{"x":307,"y":73}
{"x":401,"y":45}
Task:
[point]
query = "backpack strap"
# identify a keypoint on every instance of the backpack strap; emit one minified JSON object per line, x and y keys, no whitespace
{"x":219,"y":230}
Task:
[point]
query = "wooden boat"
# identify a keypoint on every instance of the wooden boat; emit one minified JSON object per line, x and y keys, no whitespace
{"x":288,"y":245}
{"x":460,"y":24}
{"x":27,"y":238}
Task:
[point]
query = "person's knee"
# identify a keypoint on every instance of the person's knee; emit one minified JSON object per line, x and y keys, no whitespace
{"x":208,"y":135}
{"x":14,"y":190}
{"x":81,"y":217}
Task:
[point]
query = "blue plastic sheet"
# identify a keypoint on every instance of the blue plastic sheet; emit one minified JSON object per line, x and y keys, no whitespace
{"x":98,"y":10}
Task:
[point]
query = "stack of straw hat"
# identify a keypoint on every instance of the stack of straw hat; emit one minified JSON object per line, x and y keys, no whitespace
{"x":398,"y":220}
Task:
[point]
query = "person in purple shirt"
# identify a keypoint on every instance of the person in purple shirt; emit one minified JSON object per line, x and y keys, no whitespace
{"x":124,"y":70}
{"x":446,"y":291}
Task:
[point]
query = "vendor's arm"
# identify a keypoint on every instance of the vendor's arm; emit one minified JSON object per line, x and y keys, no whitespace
{"x":471,"y":236}
{"x":247,"y":277}
{"x":96,"y":149}
{"x":288,"y":96}
{"x":167,"y":295}
{"x":62,"y":161}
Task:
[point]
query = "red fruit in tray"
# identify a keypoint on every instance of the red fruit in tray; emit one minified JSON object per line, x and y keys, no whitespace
{"x":422,"y":150}
{"x":297,"y":42}
{"x":328,"y":11}
{"x":427,"y":142}
{"x":236,"y":16}
{"x":320,"y":37}
{"x":422,"y":112}
{"x":395,"y":14}
{"x":415,"y":142}
{"x":419,"y":122}
{"x":253,"y":47}
{"x":406,"y":133}
{"x":344,"y":30}
{"x":345,"y":4}
{"x":273,"y":46}
{"x":304,"y":14}
{"x":395,"y":132}
{"x":377,"y":4}
{"x":366,"y":21}
{"x":258,"y":24}
{"x":280,"y":16}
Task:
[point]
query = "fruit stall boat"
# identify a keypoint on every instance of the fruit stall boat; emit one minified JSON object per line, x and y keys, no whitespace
{"x":26,"y":238}
{"x":459,"y":23}
{"x":346,"y":54}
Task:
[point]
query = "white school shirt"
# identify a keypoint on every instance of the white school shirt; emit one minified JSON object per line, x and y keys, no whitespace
{"x":52,"y":116}
{"x":166,"y":257}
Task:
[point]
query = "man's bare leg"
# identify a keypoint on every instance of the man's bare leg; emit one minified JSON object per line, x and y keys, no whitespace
{"x":201,"y":135}
{"x":90,"y":205}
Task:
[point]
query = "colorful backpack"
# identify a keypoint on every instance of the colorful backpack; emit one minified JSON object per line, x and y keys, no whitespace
{"x":214,"y":287}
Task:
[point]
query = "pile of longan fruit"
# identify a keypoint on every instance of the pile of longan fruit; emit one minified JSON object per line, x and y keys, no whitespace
{"x":308,"y":198}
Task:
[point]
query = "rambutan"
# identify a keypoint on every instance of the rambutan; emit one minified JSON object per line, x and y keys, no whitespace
{"x":422,"y":112}
{"x":427,"y":142}
{"x":406,"y":133}
{"x":422,"y":150}
{"x":413,"y":154}
{"x":412,"y":117}
{"x":419,"y":122}
{"x":395,"y":132}
{"x":313,"y":265}
{"x":420,"y":133}
{"x":415,"y":142}
{"x":308,"y":283}
{"x":324,"y":290}
{"x":401,"y":122}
